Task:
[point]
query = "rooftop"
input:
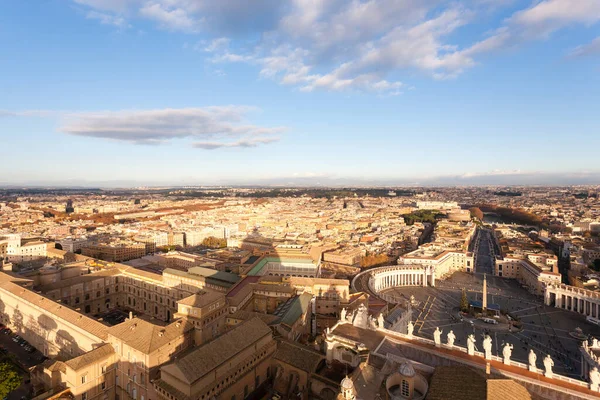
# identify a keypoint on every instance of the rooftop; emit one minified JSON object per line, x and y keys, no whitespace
{"x":202,"y":360}
{"x":147,"y":337}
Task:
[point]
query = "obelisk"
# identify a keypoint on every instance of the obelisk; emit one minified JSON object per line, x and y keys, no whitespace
{"x":484,"y":295}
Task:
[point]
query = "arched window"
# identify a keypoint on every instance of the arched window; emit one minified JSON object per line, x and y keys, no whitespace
{"x":405,"y":389}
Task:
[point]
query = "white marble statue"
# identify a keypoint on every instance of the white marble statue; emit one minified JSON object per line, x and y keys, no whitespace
{"x":548,"y":364}
{"x":361,"y":317}
{"x":410,"y":329}
{"x":437,"y":337}
{"x":487,"y":347}
{"x":532,"y":360}
{"x":372,"y":323}
{"x":594,"y":379}
{"x":450,"y":338}
{"x":594,"y":343}
{"x":380,"y":321}
{"x":507,"y":353}
{"x":471,"y":344}
{"x":343,"y":314}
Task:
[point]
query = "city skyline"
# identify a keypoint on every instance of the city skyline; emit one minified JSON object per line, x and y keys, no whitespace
{"x":127,"y":93}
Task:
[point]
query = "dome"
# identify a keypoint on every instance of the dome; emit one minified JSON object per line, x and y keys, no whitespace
{"x":406,"y":369}
{"x":347,"y":384}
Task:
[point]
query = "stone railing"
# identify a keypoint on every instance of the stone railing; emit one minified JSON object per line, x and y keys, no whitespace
{"x":523,"y":366}
{"x":589,"y":355}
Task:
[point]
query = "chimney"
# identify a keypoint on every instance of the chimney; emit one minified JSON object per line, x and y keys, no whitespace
{"x":130,"y":314}
{"x":487,"y":368}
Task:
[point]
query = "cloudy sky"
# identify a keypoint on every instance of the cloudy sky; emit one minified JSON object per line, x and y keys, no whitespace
{"x":232,"y":91}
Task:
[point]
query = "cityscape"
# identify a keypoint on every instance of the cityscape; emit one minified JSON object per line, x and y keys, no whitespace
{"x":299,"y":199}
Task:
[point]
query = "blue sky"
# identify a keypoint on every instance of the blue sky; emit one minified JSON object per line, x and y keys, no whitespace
{"x":204,"y":92}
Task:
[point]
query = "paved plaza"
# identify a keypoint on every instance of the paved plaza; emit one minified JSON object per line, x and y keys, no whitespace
{"x":545,"y":329}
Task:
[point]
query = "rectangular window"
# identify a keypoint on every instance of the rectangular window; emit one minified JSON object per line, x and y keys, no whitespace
{"x":84,"y":379}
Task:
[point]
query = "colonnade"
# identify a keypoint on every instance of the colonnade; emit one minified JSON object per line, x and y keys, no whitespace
{"x":574,"y":299}
{"x":401,"y":275}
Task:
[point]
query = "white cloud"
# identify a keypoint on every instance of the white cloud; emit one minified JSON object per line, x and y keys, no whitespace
{"x":115,"y":6}
{"x":547,"y":16}
{"x":254,"y":142}
{"x":163,"y":125}
{"x":171,"y":18}
{"x":495,"y":172}
{"x":367,"y":45}
{"x":107,"y":19}
{"x":217,"y":44}
{"x":592,"y":48}
{"x":27,"y":113}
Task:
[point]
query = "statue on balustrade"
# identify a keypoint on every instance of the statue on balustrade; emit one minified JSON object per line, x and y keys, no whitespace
{"x":548,"y":364}
{"x":451,"y":337}
{"x":487,"y":347}
{"x":507,"y":353}
{"x":471,"y":344}
{"x":437,"y":337}
{"x":380,"y":321}
{"x":594,"y":379}
{"x":532,"y":360}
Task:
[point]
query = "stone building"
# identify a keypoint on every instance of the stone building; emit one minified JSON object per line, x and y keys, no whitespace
{"x":229,"y":367}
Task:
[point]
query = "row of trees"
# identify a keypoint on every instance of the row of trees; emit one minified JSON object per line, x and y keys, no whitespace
{"x":374,"y":260}
{"x":422,"y":216}
{"x":476,"y":213}
{"x":214,"y":243}
{"x":464,"y":302}
{"x":516,"y":215}
{"x":9,"y":379}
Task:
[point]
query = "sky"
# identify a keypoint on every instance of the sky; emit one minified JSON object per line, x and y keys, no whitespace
{"x":202,"y":92}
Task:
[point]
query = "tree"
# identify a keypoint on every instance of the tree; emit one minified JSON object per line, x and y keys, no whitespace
{"x":464,"y":303}
{"x":476,"y":213}
{"x":214,"y":243}
{"x":9,"y":379}
{"x":374,"y":259}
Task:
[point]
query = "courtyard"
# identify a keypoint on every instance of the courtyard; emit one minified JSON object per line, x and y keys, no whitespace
{"x":545,"y":329}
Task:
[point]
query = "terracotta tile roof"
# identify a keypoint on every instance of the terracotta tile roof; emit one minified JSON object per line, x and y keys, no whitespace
{"x":147,"y":337}
{"x":90,"y":357}
{"x":506,"y":389}
{"x":202,"y":360}
{"x":54,"y":365}
{"x":457,"y":382}
{"x":298,"y":356}
{"x":201,"y":299}
{"x":371,"y":339}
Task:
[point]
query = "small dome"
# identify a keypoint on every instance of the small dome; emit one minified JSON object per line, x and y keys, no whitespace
{"x":406,"y":369}
{"x":347,"y":383}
